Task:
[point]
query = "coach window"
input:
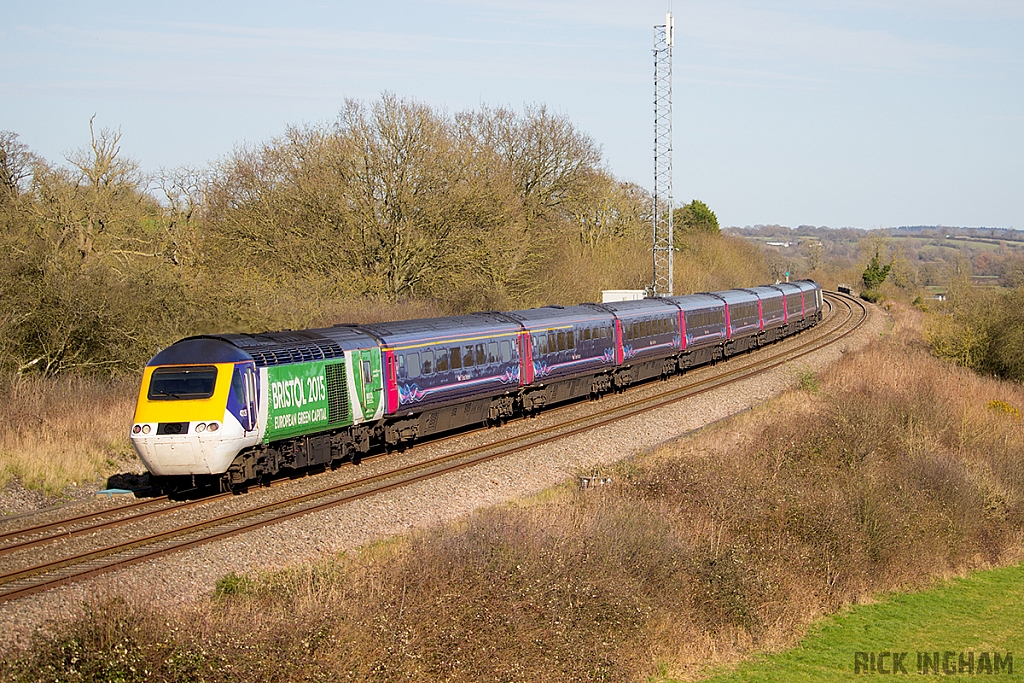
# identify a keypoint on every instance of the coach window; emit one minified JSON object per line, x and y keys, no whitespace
{"x":401,"y":365}
{"x":442,"y":360}
{"x":481,"y":354}
{"x":506,"y":351}
{"x":604,"y":333}
{"x":467,"y":356}
{"x":570,"y":339}
{"x":542,"y":344}
{"x":552,"y":342}
{"x":412,"y":364}
{"x":586,"y":334}
{"x":492,"y":352}
{"x":561,"y":341}
{"x":455,"y":358}
{"x":428,"y":362}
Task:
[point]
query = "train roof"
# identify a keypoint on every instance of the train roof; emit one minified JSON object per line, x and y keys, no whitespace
{"x":199,"y":351}
{"x":265,"y":348}
{"x":787,"y":288}
{"x":806,"y":285}
{"x":737,"y":296}
{"x":765,"y":292}
{"x":696,"y":302}
{"x":296,"y":346}
{"x":534,"y":318}
{"x":428,"y":330}
{"x":639,"y":307}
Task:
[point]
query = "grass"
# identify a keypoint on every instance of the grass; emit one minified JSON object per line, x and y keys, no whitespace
{"x":981,"y":613}
{"x":62,"y":432}
{"x":888,"y":471}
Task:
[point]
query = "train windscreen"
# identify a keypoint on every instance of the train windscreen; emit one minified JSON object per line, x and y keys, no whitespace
{"x":182,"y":383}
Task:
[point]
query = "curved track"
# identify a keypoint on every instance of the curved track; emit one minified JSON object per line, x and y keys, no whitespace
{"x":25,"y":571}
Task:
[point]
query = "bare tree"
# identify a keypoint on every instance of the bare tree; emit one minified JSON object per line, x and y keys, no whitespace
{"x":15,"y":166}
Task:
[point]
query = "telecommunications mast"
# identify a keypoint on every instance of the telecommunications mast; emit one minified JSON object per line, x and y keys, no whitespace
{"x":663,"y":38}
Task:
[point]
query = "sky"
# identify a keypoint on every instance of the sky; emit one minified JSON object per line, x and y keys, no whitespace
{"x":850,"y":113}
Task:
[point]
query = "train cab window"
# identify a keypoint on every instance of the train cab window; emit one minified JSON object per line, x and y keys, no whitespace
{"x":178,"y":383}
{"x":238,"y":384}
{"x":412,"y":365}
{"x":492,"y":352}
{"x":570,"y":339}
{"x":428,"y":362}
{"x":481,"y":354}
{"x":506,"y":351}
{"x":442,"y":360}
{"x":455,"y":358}
{"x":467,"y":356}
{"x":561,"y":341}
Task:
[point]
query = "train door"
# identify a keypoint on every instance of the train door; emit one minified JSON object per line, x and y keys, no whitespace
{"x":245,"y":397}
{"x":369,"y":380}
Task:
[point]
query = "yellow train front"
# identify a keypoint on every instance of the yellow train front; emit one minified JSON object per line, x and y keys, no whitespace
{"x":198,"y":408}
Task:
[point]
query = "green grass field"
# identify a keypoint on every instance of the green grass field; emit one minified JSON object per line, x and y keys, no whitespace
{"x":982,"y":613}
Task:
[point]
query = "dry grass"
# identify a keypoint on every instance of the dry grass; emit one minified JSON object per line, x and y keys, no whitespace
{"x":67,"y":431}
{"x":893,"y":470}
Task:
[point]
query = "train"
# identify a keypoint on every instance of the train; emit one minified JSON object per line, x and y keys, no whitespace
{"x":228,"y":410}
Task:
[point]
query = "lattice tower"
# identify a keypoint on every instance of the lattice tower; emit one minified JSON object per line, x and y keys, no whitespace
{"x":663,"y":250}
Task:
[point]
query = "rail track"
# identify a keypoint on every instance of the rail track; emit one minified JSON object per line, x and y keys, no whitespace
{"x":34,"y":558}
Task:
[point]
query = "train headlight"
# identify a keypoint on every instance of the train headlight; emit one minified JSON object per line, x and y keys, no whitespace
{"x":137,"y":429}
{"x":201,"y":427}
{"x":145,"y":429}
{"x":213,"y":426}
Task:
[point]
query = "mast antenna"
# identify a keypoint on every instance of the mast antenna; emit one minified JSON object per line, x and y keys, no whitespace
{"x":663,"y":243}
